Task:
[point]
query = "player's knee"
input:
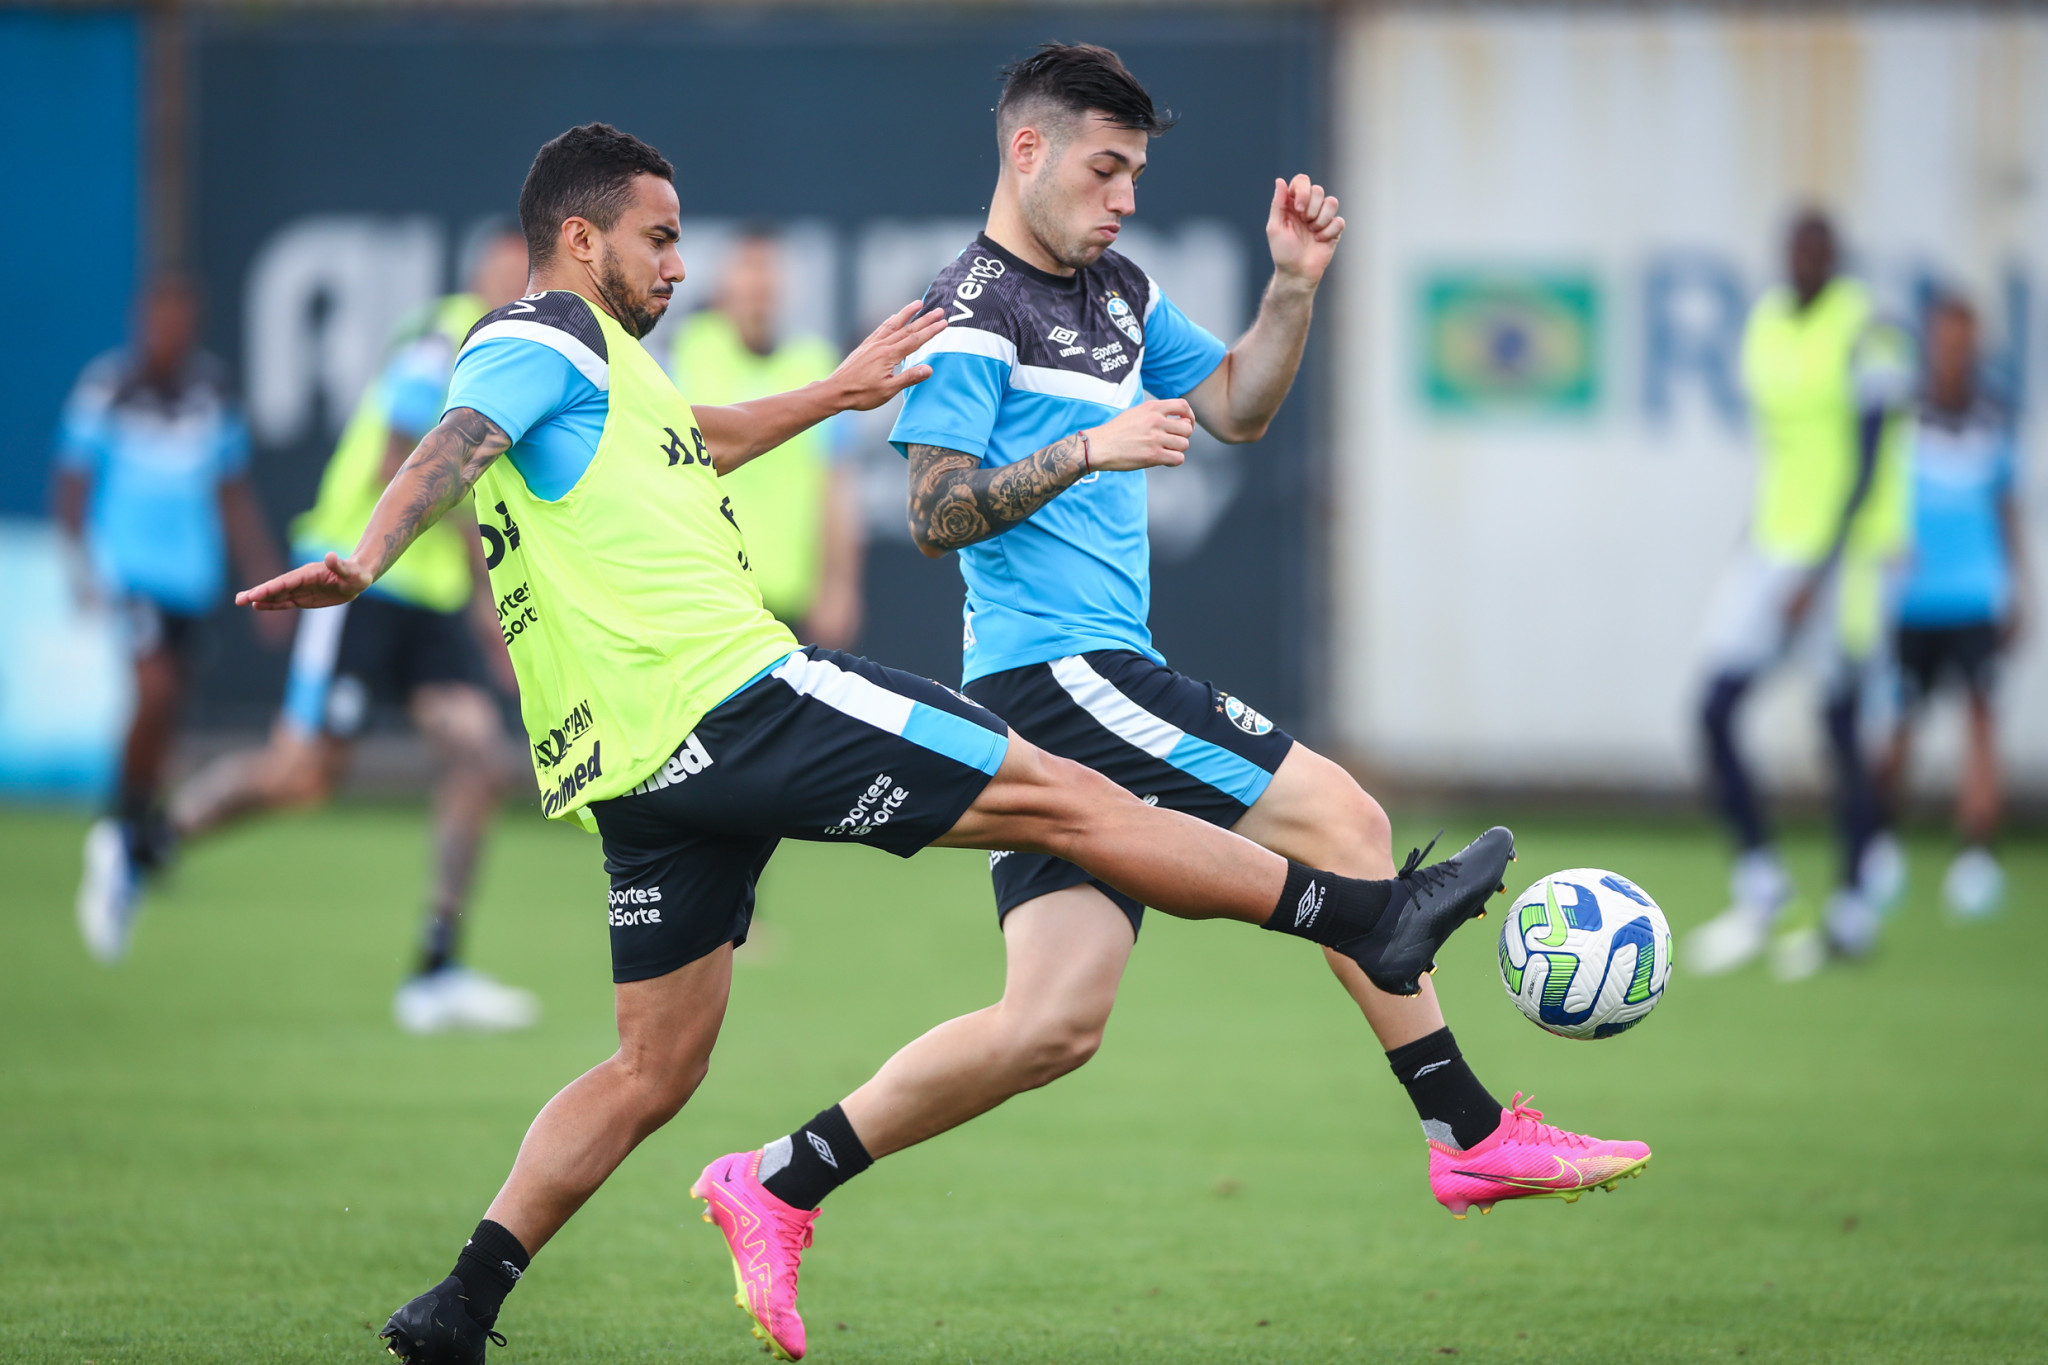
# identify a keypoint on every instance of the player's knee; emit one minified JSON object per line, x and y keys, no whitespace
{"x":1717,"y":708}
{"x":1365,"y":817}
{"x":1073,"y":798}
{"x":1051,"y":1047}
{"x":663,"y":1086}
{"x":157,"y":685}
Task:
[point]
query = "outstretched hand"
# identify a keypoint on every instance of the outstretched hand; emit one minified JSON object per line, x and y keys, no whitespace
{"x":327,"y":583}
{"x":1302,"y":228}
{"x":868,"y":377}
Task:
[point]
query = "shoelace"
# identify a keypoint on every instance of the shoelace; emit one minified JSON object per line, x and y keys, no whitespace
{"x":1529,"y":1126}
{"x":497,"y":1338}
{"x":1427,"y":878}
{"x":809,"y":1223}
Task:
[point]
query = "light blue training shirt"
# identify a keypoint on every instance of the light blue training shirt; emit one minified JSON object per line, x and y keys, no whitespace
{"x":1027,"y":359}
{"x":538,"y":368}
{"x":156,"y":457}
{"x":1963,"y":468}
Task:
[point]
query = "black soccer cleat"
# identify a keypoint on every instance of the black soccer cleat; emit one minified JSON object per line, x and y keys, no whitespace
{"x":436,"y":1329}
{"x":1402,"y":947}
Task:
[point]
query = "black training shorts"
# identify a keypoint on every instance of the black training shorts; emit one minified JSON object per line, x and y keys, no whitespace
{"x":373,"y":651}
{"x":824,"y":746}
{"x":1173,"y":741}
{"x":1931,"y":655}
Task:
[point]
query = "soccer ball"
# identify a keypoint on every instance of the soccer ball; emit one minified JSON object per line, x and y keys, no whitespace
{"x":1585,"y":953}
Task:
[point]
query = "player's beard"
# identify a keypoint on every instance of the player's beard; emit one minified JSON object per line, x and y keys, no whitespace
{"x":636,"y":312}
{"x":1047,"y":213}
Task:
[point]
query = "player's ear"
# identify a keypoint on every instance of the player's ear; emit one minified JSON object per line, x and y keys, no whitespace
{"x":579,"y":239}
{"x":1027,"y":148}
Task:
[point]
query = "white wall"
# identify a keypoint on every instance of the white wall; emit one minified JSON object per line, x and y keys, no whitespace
{"x":1518,"y":594}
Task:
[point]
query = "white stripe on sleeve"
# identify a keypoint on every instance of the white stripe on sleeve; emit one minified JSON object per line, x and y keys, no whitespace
{"x":587,"y":362}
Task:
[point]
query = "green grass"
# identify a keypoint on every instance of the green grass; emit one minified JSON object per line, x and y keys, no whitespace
{"x":224,"y":1151}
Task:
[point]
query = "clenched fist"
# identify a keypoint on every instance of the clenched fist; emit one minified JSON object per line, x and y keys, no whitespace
{"x":1155,"y":432}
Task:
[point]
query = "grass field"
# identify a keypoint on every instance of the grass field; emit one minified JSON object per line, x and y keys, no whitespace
{"x":224,"y":1151}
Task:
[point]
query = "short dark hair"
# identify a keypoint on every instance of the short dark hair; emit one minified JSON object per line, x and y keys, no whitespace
{"x":587,"y":172}
{"x":1080,"y":78}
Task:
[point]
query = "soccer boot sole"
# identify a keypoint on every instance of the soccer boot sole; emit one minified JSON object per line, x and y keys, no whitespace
{"x":1569,"y":1196}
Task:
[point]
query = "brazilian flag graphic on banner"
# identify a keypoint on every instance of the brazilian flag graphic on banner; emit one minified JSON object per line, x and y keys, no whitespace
{"x":1510,"y":342}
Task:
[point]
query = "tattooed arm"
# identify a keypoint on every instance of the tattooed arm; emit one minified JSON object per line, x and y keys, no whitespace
{"x":954,"y":501}
{"x":432,"y":480}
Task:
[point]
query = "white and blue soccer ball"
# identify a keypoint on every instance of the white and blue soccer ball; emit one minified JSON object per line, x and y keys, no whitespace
{"x":1585,"y":953}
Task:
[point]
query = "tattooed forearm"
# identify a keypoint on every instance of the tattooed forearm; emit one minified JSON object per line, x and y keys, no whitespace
{"x":954,"y":501}
{"x":432,"y":480}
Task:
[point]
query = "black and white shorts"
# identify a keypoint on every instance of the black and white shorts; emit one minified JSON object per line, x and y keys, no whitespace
{"x":825,"y":746}
{"x":1171,"y":740}
{"x":373,"y":650}
{"x":1966,"y":653}
{"x":150,"y":628}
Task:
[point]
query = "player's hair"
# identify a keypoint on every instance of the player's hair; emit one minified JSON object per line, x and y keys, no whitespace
{"x":587,"y":173}
{"x":1076,"y":79}
{"x":478,"y":239}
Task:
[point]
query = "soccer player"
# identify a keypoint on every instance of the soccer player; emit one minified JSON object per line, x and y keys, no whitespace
{"x":1961,"y":605}
{"x":1027,"y":448}
{"x":1826,"y":381}
{"x":153,"y":493}
{"x":419,"y":638}
{"x":674,"y":715}
{"x":800,"y":505}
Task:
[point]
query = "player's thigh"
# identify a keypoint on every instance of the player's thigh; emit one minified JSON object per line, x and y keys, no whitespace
{"x":1314,"y":812}
{"x":458,"y":718}
{"x":1034,"y":801}
{"x":679,"y":893}
{"x":1066,"y":951}
{"x":668,"y":1024}
{"x":1746,"y":630}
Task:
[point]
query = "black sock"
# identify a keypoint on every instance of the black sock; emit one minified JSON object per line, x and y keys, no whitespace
{"x":147,"y":827}
{"x":815,"y":1160}
{"x":490,"y":1265}
{"x":1453,"y":1105}
{"x":438,"y":950}
{"x":1328,"y":909}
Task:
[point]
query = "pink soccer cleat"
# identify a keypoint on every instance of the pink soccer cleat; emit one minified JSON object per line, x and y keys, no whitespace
{"x":767,"y":1239}
{"x":1526,"y":1158}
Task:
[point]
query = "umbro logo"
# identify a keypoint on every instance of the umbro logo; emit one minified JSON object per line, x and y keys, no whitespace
{"x":1309,"y":906}
{"x":823,"y":1149}
{"x":1062,"y":336}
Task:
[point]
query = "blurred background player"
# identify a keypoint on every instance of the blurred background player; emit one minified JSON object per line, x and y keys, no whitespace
{"x":1960,"y":606}
{"x":1828,"y":522}
{"x":800,"y":502}
{"x":153,"y":494}
{"x":414,"y":640}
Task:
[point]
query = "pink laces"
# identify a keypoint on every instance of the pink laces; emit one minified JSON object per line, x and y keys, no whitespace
{"x":1529,"y":1126}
